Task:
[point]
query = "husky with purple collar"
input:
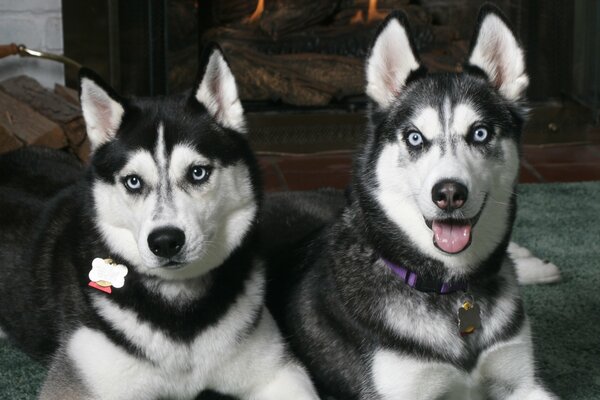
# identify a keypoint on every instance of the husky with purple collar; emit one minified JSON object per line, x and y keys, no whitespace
{"x":141,"y":279}
{"x":411,"y":293}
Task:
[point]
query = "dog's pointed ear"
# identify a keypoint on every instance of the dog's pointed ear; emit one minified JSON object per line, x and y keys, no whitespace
{"x":102,"y":108}
{"x":497,"y":52}
{"x":217,"y":91}
{"x":392,"y":59}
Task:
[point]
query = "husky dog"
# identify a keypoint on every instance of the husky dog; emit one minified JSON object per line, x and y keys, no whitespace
{"x":411,"y":294}
{"x":141,"y":280}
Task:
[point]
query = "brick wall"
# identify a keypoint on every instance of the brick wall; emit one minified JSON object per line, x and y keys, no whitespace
{"x":38,"y":25}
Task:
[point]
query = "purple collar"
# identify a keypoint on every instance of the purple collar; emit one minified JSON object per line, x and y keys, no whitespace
{"x":424,"y":285}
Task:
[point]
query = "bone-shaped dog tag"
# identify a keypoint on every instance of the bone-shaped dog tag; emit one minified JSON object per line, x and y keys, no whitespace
{"x":468,"y":318}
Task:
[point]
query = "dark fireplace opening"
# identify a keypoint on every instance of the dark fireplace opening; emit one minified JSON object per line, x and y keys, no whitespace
{"x":299,"y":64}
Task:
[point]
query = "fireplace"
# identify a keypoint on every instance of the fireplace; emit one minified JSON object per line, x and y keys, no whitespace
{"x":299,"y":64}
{"x":294,"y":53}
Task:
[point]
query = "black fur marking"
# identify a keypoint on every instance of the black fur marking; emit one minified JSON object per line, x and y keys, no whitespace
{"x":183,"y":323}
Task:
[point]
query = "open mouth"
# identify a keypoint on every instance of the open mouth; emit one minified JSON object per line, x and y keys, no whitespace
{"x":452,"y":235}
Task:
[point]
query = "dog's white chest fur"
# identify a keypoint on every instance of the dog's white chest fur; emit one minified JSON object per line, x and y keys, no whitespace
{"x":502,"y":367}
{"x":499,"y":369}
{"x":219,"y":357}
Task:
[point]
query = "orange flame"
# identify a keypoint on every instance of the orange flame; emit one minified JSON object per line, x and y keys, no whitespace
{"x":358,"y":18}
{"x":373,"y":14}
{"x":260,"y":7}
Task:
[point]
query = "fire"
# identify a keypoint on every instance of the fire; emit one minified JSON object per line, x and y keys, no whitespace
{"x":260,"y":7}
{"x":372,"y":14}
{"x":358,"y":18}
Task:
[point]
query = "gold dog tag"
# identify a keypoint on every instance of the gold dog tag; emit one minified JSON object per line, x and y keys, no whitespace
{"x":469,"y":319}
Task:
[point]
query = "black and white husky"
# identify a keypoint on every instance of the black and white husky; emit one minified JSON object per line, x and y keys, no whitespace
{"x":141,"y":280}
{"x":411,"y":294}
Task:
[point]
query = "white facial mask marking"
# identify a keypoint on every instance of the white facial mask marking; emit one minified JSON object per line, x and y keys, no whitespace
{"x":428,"y":122}
{"x":404,"y":188}
{"x":214,"y":215}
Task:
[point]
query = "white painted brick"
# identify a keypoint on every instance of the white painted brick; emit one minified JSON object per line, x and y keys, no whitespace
{"x":36,"y":6}
{"x":20,"y":29}
{"x":54,"y":35}
{"x":38,"y":25}
{"x":45,"y":71}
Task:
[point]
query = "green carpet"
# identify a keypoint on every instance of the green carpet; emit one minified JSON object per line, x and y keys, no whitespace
{"x":560,"y":222}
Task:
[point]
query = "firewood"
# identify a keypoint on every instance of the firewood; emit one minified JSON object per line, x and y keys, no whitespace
{"x":345,"y":40}
{"x":282,"y":17}
{"x":298,"y":79}
{"x":226,"y":11}
{"x":7,"y":141}
{"x":84,"y":150}
{"x":28,"y":125}
{"x":48,"y":104}
{"x":68,"y":94}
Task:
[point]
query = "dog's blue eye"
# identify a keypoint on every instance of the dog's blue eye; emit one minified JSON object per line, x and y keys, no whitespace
{"x":415,"y":139}
{"x":199,"y":174}
{"x":480,"y":135}
{"x":133,"y":183}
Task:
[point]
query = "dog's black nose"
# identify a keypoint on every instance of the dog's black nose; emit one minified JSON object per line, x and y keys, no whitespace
{"x":449,"y":195}
{"x":166,"y":242}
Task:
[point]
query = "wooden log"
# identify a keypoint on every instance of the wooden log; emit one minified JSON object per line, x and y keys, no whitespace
{"x":448,"y":59}
{"x":416,"y":14}
{"x":340,"y":38}
{"x":7,"y":141}
{"x":297,"y":79}
{"x":227,"y":11}
{"x":68,"y":94}
{"x":81,"y":149}
{"x":381,"y":4}
{"x":84,"y":151}
{"x":282,"y":17}
{"x":348,"y":40}
{"x":29,"y":126}
{"x":50,"y":105}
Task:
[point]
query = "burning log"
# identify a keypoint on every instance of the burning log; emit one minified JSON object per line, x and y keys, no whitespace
{"x":299,"y":79}
{"x":282,"y":17}
{"x":310,"y":53}
{"x":345,"y":41}
{"x":231,"y":11}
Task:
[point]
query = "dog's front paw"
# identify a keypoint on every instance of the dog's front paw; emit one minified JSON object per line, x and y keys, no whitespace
{"x":536,"y":393}
{"x":530,"y":269}
{"x":291,"y":382}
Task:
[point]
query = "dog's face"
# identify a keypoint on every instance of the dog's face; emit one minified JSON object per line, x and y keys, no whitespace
{"x":443,"y":152}
{"x":174,"y":183}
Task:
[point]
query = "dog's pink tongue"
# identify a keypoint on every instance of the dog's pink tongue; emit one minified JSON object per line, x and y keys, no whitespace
{"x":451,"y":236}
